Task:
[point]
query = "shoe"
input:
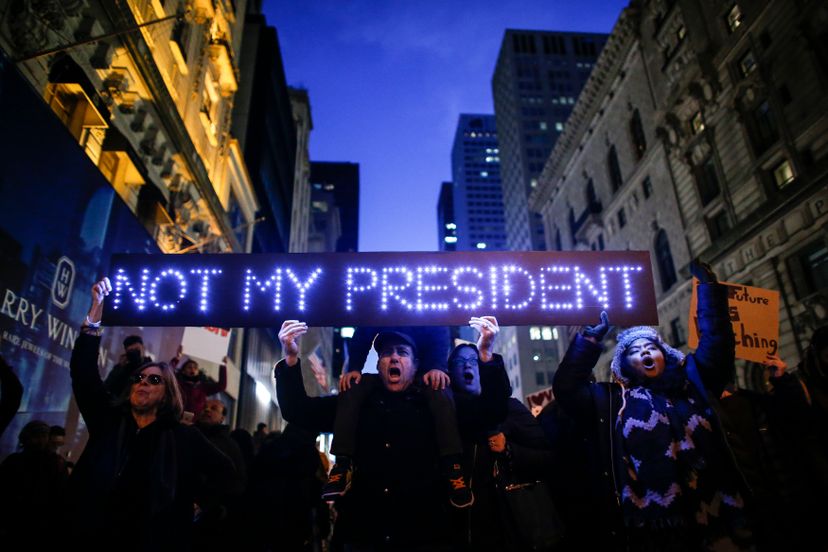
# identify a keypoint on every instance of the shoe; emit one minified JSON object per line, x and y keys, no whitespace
{"x":460,"y":495}
{"x":339,"y":481}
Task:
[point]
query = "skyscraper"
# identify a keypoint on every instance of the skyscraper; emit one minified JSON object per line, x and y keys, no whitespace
{"x":477,"y":193}
{"x":446,"y":226}
{"x":538,"y":77}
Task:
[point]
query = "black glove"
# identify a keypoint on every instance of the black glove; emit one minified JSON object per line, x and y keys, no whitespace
{"x":599,"y":331}
{"x":702,"y":272}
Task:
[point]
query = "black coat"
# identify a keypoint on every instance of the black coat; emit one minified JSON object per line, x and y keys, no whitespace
{"x":484,"y":526}
{"x":398,"y":498}
{"x":594,"y":406}
{"x":134,"y":488}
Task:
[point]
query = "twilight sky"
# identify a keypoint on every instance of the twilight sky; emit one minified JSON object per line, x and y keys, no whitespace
{"x":387,"y":82}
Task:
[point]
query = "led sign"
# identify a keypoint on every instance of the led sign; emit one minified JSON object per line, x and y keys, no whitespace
{"x":351,"y":289}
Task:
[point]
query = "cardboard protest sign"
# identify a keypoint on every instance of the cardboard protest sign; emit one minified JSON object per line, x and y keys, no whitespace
{"x":381,"y":289}
{"x":537,"y":400}
{"x":754,"y":313}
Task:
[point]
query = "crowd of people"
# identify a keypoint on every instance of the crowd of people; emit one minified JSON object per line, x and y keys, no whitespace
{"x":432,"y":453}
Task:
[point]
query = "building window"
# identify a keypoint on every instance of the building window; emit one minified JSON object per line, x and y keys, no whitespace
{"x":558,"y":243}
{"x":783,"y":174}
{"x":637,"y":133}
{"x":763,"y":131}
{"x":733,"y":18}
{"x":546,"y":333}
{"x":707,"y":181}
{"x":647,"y":187}
{"x":614,"y":169}
{"x":681,"y":32}
{"x":808,"y":269}
{"x":534,"y":333}
{"x":747,"y":63}
{"x":664,"y":259}
{"x":622,"y":218}
{"x":677,"y":333}
{"x":718,"y":225}
{"x":540,"y":378}
{"x":697,"y":122}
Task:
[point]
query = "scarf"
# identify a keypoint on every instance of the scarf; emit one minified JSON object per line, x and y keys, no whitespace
{"x":674,"y":470}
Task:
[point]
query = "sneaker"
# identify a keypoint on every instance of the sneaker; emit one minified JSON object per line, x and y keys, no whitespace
{"x":339,"y":481}
{"x":460,"y":495}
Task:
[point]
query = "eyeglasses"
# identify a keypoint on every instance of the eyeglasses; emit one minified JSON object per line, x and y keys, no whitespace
{"x":152,"y":379}
{"x":460,"y":361}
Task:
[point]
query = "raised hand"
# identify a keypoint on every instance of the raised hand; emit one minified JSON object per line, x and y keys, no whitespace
{"x":497,"y":442}
{"x":436,"y":379}
{"x":777,"y":366}
{"x":348,"y":379}
{"x":289,"y":335}
{"x":101,"y":289}
{"x":598,"y":332}
{"x":702,"y":272}
{"x":488,"y":328}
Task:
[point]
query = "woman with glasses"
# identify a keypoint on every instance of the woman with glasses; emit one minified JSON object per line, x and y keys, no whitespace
{"x":142,"y":471}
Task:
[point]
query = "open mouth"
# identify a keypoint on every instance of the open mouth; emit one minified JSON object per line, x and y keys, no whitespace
{"x":468,"y":376}
{"x":394,"y":372}
{"x":648,"y":362}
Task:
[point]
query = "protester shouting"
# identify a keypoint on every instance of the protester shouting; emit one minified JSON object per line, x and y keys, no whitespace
{"x":135,"y":483}
{"x":396,"y":500}
{"x":666,"y":469}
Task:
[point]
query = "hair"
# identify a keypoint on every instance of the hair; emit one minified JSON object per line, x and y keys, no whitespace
{"x":171,"y":405}
{"x":35,"y":427}
{"x":260,"y":426}
{"x":57,"y":430}
{"x":132,"y":339}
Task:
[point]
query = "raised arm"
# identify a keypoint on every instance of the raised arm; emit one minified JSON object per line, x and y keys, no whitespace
{"x":574,"y":378}
{"x":212,"y":387}
{"x":90,"y":393}
{"x":714,"y":357}
{"x":315,"y":414}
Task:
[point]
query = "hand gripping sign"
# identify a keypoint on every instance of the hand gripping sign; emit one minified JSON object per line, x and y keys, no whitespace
{"x":338,"y":289}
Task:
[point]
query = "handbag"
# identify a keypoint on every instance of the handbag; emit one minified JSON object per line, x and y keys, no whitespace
{"x":531,"y":514}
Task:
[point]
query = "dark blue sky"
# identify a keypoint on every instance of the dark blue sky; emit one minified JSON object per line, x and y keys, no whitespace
{"x":387,"y":81}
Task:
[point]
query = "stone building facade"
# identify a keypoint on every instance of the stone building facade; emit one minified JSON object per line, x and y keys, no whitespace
{"x":702,"y":133}
{"x":150,"y":103}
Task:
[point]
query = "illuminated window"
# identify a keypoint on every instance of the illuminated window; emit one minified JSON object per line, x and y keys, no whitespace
{"x":733,"y":18}
{"x":783,"y":174}
{"x":697,"y":122}
{"x":747,"y":63}
{"x":481,"y":245}
{"x":534,"y":333}
{"x":559,"y":126}
{"x":554,"y":333}
{"x":450,"y":239}
{"x":451,"y":226}
{"x":546,"y":333}
{"x":542,"y":125}
{"x":681,"y":33}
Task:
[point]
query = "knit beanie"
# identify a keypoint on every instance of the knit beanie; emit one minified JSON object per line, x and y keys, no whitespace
{"x":630,"y":335}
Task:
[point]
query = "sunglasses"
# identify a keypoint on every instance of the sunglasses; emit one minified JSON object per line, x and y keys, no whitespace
{"x":152,"y":379}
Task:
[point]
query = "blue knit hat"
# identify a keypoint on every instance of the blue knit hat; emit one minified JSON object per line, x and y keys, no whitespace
{"x":630,"y":335}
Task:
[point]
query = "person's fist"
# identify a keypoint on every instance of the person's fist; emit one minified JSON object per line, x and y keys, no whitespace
{"x":436,"y":379}
{"x":289,"y":335}
{"x":702,"y":272}
{"x":497,"y":442}
{"x":348,"y":379}
{"x":777,"y":366}
{"x":599,"y":331}
{"x":488,"y":329}
{"x":100,"y":290}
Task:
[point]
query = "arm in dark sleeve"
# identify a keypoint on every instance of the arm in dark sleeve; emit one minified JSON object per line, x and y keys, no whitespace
{"x":90,"y":394}
{"x":212,"y":387}
{"x":219,"y":476}
{"x":531,"y":452}
{"x":314,"y":414}
{"x":573,"y":378}
{"x":12,"y":394}
{"x":433,"y":343}
{"x":717,"y":345}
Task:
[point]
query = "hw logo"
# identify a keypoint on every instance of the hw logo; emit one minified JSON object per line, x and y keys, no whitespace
{"x":63,"y":282}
